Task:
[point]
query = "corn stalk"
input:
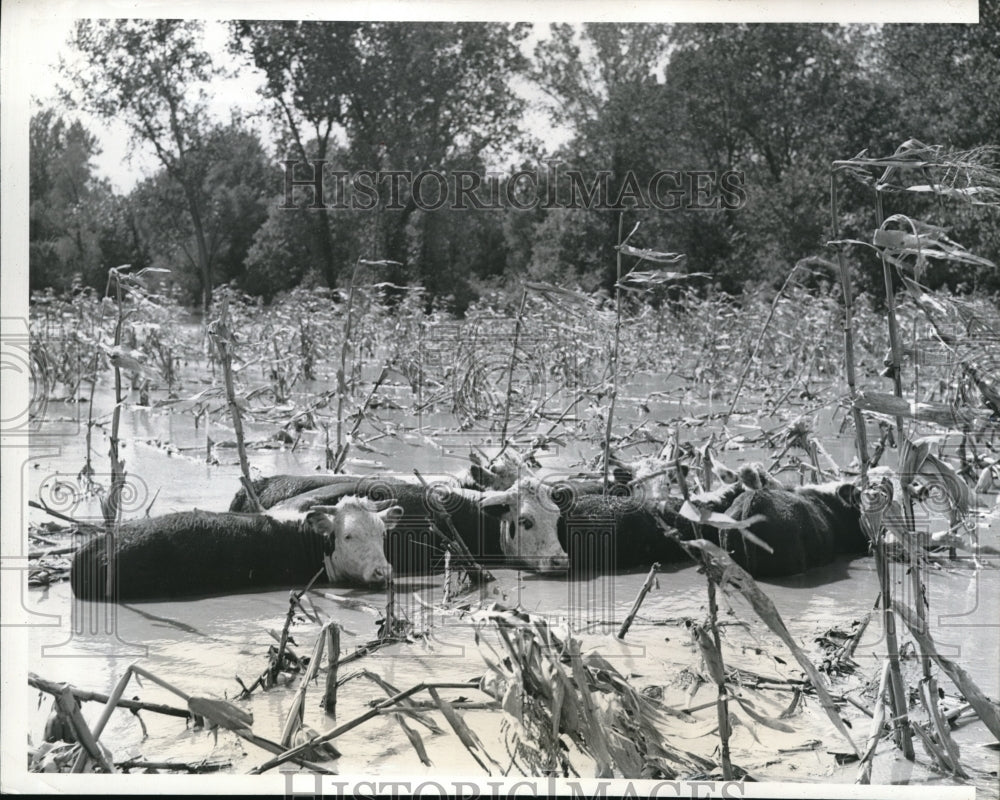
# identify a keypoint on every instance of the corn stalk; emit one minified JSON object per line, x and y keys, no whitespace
{"x":897,"y":690}
{"x":222,"y":336}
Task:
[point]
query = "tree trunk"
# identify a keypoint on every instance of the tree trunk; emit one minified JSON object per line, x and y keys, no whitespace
{"x":607,"y":250}
{"x":324,"y":244}
{"x":396,"y":245}
{"x":203,"y":257}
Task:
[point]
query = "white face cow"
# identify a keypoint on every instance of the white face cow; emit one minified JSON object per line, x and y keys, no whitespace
{"x":356,"y":529}
{"x":529,"y":525}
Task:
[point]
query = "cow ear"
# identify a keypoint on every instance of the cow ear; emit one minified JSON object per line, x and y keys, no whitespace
{"x":391,"y":516}
{"x":849,"y":494}
{"x":319,"y":521}
{"x":321,"y":524}
{"x":480,"y":476}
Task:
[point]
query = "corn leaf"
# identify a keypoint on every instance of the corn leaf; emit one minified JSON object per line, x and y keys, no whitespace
{"x":410,"y":709}
{"x":710,"y":654}
{"x":928,"y":242}
{"x":221,"y":713}
{"x":465,"y":734}
{"x":977,"y":195}
{"x":987,"y":710}
{"x":574,"y":302}
{"x":655,"y":256}
{"x":717,"y":519}
{"x":770,"y":722}
{"x":724,"y":571}
{"x":596,"y":733}
{"x":642,"y":280}
{"x":735,"y":721}
{"x":946,"y":416}
{"x":415,"y":739}
{"x":513,"y":701}
{"x":917,"y":459}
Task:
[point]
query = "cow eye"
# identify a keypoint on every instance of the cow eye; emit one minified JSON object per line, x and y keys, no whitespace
{"x":526,"y":523}
{"x":347,"y":536}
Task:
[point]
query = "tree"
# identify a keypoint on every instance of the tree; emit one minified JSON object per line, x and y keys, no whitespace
{"x":605,"y":82}
{"x":67,"y":203}
{"x":121,"y":241}
{"x":305,"y":66}
{"x":236,"y":183}
{"x":773,"y":93}
{"x":946,"y":78}
{"x":945,"y":85}
{"x":778,"y":103}
{"x":430,"y":96}
{"x":387,"y":96}
{"x":280,"y":255}
{"x":150,"y":74}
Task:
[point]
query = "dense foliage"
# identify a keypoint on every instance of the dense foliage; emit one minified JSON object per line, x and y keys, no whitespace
{"x":776,"y":104}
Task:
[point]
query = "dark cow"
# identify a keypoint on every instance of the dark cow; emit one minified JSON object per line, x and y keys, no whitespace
{"x":201,"y":553}
{"x":603,"y":533}
{"x":278,"y":488}
{"x":271,"y":491}
{"x":806,"y":526}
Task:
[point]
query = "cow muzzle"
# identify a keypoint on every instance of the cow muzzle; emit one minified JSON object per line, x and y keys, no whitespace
{"x":559,"y":563}
{"x":380,"y":576}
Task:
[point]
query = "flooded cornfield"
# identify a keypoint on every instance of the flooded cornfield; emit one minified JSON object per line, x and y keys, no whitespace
{"x":500,"y":408}
{"x":180,"y":452}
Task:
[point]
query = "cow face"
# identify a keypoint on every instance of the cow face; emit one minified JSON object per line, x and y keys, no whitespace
{"x":529,"y":525}
{"x":355,"y":533}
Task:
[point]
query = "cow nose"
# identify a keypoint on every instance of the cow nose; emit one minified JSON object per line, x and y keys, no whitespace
{"x":558,"y":563}
{"x":380,"y":575}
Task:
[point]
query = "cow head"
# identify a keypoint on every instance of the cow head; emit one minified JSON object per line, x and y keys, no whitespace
{"x":529,"y":525}
{"x":354,"y":532}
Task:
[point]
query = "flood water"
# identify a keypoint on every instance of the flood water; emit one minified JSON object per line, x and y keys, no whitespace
{"x":203,"y":645}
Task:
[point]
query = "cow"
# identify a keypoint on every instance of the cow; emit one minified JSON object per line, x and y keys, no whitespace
{"x":806,"y":526}
{"x":548,"y":526}
{"x":484,"y":521}
{"x":198,"y":553}
{"x":277,"y":488}
{"x":603,"y":533}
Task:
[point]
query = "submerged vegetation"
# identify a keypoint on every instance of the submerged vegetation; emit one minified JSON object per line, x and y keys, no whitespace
{"x":758,"y":351}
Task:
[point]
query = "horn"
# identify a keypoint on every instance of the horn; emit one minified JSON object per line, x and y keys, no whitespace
{"x":379,"y":506}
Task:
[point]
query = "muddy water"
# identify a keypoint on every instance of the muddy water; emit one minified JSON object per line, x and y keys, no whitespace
{"x":204,"y":645}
